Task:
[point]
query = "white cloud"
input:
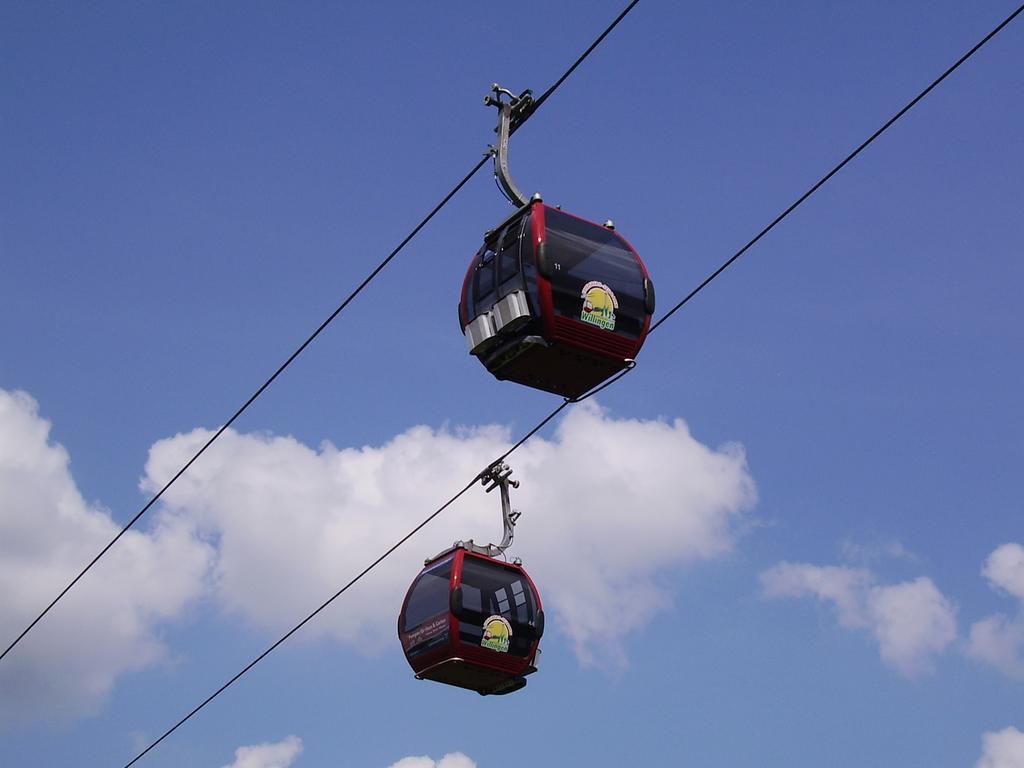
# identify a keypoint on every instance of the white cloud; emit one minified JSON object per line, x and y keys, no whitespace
{"x":875,"y":550}
{"x":1002,"y":749}
{"x":272,"y":526}
{"x":283,"y":753}
{"x":48,"y":532}
{"x":912,"y":622}
{"x":1004,"y":569}
{"x":451,"y":760}
{"x":845,"y":587}
{"x":277,"y":755}
{"x":999,"y":640}
{"x":608,"y":504}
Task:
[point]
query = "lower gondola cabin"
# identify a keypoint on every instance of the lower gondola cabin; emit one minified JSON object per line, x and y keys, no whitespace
{"x":472,"y":621}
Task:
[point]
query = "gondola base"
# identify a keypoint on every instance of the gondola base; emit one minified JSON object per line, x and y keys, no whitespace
{"x":483,"y":680}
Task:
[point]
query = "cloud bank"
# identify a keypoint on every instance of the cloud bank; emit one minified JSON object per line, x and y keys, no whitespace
{"x":607,"y":504}
{"x":998,"y":640}
{"x":282,"y":754}
{"x":911,"y":622}
{"x":268,"y":527}
{"x":1004,"y":569}
{"x":1002,"y":749}
{"x":108,"y":625}
{"x":277,"y":755}
{"x":451,"y":760}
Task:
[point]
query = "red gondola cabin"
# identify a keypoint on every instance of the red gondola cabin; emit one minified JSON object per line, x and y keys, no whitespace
{"x":472,"y":621}
{"x":555,"y":302}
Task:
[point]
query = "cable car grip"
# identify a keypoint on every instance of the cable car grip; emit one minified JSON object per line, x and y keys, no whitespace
{"x":511,"y":114}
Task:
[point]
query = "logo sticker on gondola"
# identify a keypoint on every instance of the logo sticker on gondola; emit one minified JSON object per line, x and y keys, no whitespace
{"x":599,"y":305}
{"x":497,"y":632}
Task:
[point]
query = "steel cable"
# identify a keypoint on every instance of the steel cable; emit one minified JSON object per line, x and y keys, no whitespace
{"x":480,"y":164}
{"x":567,"y":402}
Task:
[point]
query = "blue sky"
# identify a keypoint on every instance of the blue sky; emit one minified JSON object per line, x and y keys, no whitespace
{"x":791,"y":537}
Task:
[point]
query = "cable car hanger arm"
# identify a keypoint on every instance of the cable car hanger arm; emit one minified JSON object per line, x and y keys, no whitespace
{"x":498,"y":475}
{"x":511,"y":114}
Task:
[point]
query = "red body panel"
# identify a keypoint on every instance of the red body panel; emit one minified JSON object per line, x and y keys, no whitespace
{"x":576,"y":333}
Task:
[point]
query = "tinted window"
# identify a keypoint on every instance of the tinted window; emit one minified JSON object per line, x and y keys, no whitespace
{"x":492,"y":590}
{"x":527,"y":265}
{"x":582,"y":253}
{"x":483,"y":281}
{"x":471,"y":309}
{"x":429,"y":595}
{"x":508,"y":258}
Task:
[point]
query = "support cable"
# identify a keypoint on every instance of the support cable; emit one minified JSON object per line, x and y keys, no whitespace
{"x":379,"y":268}
{"x":247,"y":403}
{"x":597,"y":41}
{"x":725,"y":265}
{"x":567,"y":401}
{"x":340,"y":592}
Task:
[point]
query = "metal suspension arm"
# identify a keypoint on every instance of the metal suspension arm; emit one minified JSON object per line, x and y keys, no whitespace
{"x":497,"y":476}
{"x":511,"y":114}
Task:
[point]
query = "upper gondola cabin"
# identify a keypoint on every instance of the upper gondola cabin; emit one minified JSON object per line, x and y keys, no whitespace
{"x":555,"y":302}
